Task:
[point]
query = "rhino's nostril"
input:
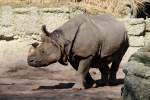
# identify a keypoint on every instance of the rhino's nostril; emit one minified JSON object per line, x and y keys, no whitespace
{"x":31,"y":60}
{"x":38,"y":62}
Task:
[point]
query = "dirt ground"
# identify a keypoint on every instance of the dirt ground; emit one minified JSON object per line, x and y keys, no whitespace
{"x":20,"y":81}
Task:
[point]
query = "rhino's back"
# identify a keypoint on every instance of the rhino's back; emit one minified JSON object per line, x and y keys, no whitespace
{"x":96,"y":30}
{"x":114,"y":33}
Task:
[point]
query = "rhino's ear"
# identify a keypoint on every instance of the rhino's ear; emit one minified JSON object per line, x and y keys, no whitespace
{"x":35,"y":44}
{"x":44,"y":30}
{"x":55,"y":35}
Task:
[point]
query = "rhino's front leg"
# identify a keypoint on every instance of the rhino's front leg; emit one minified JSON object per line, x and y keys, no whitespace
{"x":84,"y":78}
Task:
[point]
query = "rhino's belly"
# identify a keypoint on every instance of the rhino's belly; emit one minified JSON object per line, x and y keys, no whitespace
{"x":96,"y":62}
{"x":74,"y":61}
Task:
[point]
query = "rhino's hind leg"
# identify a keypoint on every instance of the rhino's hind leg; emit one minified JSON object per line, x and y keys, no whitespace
{"x":113,"y":71}
{"x":104,"y":69}
{"x":115,"y":66}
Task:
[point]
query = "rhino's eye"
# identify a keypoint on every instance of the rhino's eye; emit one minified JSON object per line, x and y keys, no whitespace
{"x":42,"y":51}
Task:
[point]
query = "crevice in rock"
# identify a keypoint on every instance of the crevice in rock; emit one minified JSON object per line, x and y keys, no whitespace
{"x":7,"y":38}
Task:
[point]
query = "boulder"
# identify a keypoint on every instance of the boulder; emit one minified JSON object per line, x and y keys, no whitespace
{"x":137,"y":76}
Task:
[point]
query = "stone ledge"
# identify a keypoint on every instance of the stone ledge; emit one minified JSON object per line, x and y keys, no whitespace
{"x":136,"y":41}
{"x":135,"y":21}
{"x":136,"y":30}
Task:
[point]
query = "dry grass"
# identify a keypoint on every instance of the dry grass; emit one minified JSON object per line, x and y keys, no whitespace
{"x":94,"y":6}
{"x":137,"y":4}
{"x":109,"y":6}
{"x":115,"y":7}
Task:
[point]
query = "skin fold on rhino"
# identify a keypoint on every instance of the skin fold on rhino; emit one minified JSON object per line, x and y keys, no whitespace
{"x":84,"y":41}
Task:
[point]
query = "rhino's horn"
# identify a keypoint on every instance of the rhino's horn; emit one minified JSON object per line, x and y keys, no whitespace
{"x":45,"y":30}
{"x":35,"y":44}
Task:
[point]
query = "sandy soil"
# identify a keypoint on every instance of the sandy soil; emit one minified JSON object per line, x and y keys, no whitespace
{"x":20,"y":81}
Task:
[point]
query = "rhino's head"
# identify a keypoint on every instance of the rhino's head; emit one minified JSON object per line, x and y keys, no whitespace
{"x":46,"y":52}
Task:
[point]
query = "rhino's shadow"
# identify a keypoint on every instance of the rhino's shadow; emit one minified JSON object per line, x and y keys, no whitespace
{"x":120,"y":81}
{"x":58,"y":86}
{"x":70,"y":85}
{"x":99,"y":83}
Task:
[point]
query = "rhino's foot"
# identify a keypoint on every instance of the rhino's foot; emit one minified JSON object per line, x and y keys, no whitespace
{"x":88,"y":84}
{"x":113,"y":80}
{"x":35,"y":88}
{"x":103,"y":81}
{"x":78,"y":86}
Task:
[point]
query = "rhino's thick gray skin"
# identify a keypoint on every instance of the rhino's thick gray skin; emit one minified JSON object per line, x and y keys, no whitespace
{"x":88,"y":41}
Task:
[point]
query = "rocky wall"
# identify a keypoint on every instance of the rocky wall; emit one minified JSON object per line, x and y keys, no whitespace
{"x":26,"y":22}
{"x":137,"y":76}
{"x":138,"y":32}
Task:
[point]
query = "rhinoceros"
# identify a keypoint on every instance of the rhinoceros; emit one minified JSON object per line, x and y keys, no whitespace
{"x":84,"y":41}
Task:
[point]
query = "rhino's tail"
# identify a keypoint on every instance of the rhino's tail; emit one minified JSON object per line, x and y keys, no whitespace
{"x":44,"y":30}
{"x":126,"y":41}
{"x":126,"y":38}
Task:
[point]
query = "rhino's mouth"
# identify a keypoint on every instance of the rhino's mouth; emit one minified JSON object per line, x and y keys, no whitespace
{"x":35,"y":63}
{"x":38,"y":65}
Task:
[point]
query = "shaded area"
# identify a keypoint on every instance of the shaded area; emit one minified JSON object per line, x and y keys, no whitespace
{"x":100,"y":83}
{"x":59,"y":86}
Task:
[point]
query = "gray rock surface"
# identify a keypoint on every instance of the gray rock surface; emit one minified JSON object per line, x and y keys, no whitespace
{"x":137,"y":76}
